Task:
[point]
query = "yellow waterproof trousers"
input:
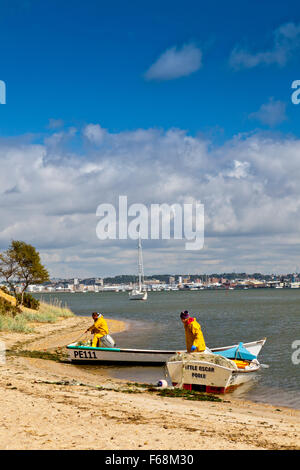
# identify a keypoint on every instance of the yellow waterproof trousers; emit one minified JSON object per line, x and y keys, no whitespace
{"x":96,"y":338}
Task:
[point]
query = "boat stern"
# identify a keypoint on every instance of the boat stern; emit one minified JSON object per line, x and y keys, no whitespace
{"x":200,"y":376}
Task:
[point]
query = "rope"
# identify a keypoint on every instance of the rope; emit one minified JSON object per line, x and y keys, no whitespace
{"x":74,"y":341}
{"x":83,"y":334}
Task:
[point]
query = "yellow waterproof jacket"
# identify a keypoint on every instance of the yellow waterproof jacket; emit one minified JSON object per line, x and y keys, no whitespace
{"x":100,"y":327}
{"x":194,"y":335}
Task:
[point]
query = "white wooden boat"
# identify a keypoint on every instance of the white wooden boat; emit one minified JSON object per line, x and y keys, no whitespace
{"x":208,"y":377}
{"x":214,"y":373}
{"x":88,"y":354}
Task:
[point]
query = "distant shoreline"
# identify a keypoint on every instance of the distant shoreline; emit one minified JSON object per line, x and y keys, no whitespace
{"x":208,"y":289}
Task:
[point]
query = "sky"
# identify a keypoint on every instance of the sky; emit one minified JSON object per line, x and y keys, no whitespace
{"x":164,"y":102}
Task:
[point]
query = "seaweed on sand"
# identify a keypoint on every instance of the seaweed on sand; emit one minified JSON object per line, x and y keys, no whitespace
{"x":187,"y":394}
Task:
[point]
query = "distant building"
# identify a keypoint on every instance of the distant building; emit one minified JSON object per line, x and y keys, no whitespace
{"x":256,"y":283}
{"x":152,"y":281}
{"x":294,"y":285}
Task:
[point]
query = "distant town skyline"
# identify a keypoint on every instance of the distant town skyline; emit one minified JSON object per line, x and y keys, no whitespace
{"x":127,"y":283}
{"x":233,"y":275}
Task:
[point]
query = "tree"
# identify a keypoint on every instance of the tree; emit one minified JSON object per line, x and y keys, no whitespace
{"x":21,"y":264}
{"x":8,"y":268}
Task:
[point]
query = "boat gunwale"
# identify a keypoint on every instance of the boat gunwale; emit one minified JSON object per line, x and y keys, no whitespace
{"x":252,"y":343}
{"x":138,"y":351}
{"x":212,"y":364}
{"x":223,"y":348}
{"x":246,"y":371}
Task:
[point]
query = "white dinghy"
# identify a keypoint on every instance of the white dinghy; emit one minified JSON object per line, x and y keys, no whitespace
{"x":88,"y":354}
{"x":220,"y":371}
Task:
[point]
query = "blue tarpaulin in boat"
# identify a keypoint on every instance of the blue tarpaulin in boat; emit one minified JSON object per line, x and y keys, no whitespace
{"x":238,"y":352}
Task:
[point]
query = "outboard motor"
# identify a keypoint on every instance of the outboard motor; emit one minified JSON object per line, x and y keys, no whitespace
{"x":107,"y":342}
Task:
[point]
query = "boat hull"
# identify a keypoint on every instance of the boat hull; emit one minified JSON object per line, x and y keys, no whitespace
{"x":85,"y":354}
{"x":138,"y":296}
{"x":209,"y":377}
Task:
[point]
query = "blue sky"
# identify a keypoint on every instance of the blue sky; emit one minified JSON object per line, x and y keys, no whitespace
{"x":160,"y":101}
{"x":86,"y":62}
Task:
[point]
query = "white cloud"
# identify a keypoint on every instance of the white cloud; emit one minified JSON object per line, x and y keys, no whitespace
{"x":176,"y":63}
{"x":94,"y":133}
{"x":59,"y":139}
{"x":249,"y":187}
{"x":271,"y":113}
{"x":240,"y":170}
{"x":286,"y":41}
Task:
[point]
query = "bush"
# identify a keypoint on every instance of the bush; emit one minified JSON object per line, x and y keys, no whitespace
{"x":6,"y":308}
{"x":29,"y":301}
{"x":5,"y":290}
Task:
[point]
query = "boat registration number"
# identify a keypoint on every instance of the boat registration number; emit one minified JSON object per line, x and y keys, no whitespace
{"x":85,"y":355}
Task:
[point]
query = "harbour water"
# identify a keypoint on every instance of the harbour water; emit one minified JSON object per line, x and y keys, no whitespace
{"x":226,"y":318}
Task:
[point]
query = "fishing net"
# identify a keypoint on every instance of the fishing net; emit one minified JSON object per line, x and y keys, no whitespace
{"x":199,"y":356}
{"x":84,"y":343}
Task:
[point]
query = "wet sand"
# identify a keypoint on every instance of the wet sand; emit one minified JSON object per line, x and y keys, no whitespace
{"x":51,"y":405}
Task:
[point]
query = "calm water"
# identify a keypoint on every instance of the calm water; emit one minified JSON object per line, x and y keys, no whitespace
{"x":226,"y":317}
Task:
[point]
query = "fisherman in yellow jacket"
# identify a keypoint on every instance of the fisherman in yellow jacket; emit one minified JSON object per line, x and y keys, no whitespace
{"x":193,"y":333}
{"x":99,"y":328}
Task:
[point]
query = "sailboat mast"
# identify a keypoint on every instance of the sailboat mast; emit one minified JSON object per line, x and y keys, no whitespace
{"x":140,"y":263}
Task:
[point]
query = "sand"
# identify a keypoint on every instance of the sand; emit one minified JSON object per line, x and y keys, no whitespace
{"x":42,"y":406}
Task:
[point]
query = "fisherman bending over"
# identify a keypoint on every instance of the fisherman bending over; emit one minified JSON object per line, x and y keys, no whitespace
{"x":99,"y":328}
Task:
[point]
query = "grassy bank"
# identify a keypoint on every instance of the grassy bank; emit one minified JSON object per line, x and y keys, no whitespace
{"x":47,"y":312}
{"x":22,"y":319}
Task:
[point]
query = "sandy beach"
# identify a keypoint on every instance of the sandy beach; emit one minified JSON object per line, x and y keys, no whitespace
{"x":51,"y":405}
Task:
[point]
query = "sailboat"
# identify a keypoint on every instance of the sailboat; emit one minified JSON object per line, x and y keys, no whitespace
{"x":138,"y":293}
